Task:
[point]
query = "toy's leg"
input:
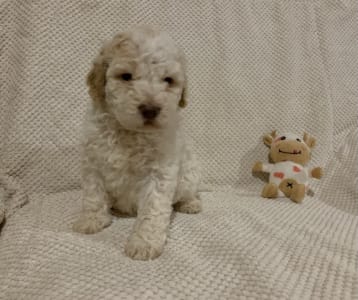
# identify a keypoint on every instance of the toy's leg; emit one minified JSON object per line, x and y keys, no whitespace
{"x":298,"y":193}
{"x":270,"y":190}
{"x":286,"y":186}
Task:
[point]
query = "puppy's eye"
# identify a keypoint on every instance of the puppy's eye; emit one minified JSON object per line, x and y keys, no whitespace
{"x":298,"y":140}
{"x":282,"y":138}
{"x":169,"y":80}
{"x":126,"y":76}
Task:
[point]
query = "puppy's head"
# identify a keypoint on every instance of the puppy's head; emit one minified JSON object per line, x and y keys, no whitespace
{"x":139,"y":77}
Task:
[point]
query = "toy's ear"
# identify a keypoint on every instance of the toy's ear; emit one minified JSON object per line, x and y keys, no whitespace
{"x":268,"y":138}
{"x":309,"y":140}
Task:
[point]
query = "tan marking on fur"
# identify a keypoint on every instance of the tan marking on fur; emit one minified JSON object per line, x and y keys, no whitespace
{"x":96,"y":78}
{"x":183,"y":102}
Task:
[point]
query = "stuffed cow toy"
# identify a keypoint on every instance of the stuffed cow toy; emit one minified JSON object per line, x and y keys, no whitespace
{"x":289,"y":176}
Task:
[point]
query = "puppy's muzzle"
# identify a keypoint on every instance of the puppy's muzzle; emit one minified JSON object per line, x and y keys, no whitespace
{"x":149,"y":112}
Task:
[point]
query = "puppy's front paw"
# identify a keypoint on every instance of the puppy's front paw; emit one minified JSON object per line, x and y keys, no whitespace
{"x":139,"y":249}
{"x":91,"y":222}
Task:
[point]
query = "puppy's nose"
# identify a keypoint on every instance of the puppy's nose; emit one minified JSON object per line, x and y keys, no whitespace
{"x":149,"y":112}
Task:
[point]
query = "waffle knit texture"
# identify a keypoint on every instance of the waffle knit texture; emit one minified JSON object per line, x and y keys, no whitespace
{"x":253,"y":66}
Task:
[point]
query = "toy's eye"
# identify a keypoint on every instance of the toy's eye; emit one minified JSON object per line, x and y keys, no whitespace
{"x":298,"y":140}
{"x":282,"y":138}
{"x":126,"y":76}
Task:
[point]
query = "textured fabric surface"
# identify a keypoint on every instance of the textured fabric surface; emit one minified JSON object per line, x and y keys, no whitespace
{"x":239,"y":246}
{"x":253,"y":66}
{"x":12,"y":196}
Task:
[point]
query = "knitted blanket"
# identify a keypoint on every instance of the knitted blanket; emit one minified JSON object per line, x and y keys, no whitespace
{"x":253,"y":66}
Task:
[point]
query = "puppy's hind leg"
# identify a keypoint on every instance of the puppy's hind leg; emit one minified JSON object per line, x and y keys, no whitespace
{"x":187,"y":198}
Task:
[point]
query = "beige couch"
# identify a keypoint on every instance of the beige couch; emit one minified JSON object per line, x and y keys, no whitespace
{"x":254,"y":66}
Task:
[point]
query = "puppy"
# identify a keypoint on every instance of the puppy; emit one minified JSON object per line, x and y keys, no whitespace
{"x":135,"y":160}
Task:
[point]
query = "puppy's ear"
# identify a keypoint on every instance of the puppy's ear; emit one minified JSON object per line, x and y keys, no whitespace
{"x":183,"y":102}
{"x":96,"y":78}
{"x":309,"y":140}
{"x":268,"y":138}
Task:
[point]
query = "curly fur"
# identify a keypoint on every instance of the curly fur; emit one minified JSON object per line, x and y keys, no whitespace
{"x":131,"y":166}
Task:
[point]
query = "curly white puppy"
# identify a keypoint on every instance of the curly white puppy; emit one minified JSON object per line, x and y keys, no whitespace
{"x":135,"y":159}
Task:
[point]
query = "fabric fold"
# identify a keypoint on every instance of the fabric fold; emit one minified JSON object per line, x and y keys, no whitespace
{"x":12,"y":196}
